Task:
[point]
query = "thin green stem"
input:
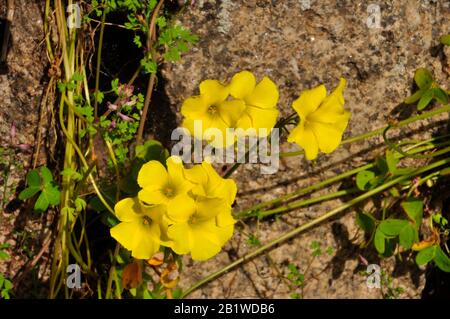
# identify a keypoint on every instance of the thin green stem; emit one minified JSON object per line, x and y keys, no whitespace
{"x":312,"y":223}
{"x":99,"y":62}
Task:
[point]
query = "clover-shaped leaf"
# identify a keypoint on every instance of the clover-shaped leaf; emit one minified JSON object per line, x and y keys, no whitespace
{"x":41,"y":180}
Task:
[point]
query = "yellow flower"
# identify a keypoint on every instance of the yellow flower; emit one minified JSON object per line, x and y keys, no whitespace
{"x":205,"y":228}
{"x":323,"y":120}
{"x":140,"y":228}
{"x":260,"y":101}
{"x":165,"y":187}
{"x":212,"y":108}
{"x":196,"y":231}
{"x":213,"y":193}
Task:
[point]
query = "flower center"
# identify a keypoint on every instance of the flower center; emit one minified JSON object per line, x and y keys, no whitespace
{"x":193,"y":219}
{"x":212,"y":109}
{"x":169,"y":191}
{"x":146,"y":220}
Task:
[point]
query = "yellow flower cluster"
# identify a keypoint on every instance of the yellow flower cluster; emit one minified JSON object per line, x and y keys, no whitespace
{"x":188,"y":210}
{"x":242,"y":103}
{"x":323,"y":120}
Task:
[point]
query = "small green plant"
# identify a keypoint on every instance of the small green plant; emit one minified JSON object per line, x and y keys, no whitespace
{"x":296,"y":277}
{"x":5,"y":284}
{"x":428,"y":90}
{"x":41,"y":181}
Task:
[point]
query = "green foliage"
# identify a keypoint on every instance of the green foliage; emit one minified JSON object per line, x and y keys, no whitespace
{"x":295,"y":276}
{"x":5,"y":284}
{"x":436,"y":254}
{"x":428,"y":90}
{"x":253,"y":240}
{"x":445,"y":39}
{"x":41,"y":180}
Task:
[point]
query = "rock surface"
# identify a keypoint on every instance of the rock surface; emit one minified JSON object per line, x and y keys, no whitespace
{"x":301,"y":44}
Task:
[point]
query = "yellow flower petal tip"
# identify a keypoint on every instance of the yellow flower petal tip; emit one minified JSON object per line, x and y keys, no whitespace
{"x":323,"y":120}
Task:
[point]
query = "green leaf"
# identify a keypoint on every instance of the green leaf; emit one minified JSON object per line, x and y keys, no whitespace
{"x":408,"y":236}
{"x":33,"y":178}
{"x":391,"y":162}
{"x":415,"y":97}
{"x":363,"y":178}
{"x":425,"y":100}
{"x":4,"y":255}
{"x":28,"y":192}
{"x":379,"y":241}
{"x":53,"y":195}
{"x":445,"y":39}
{"x":423,"y":78}
{"x":366,"y":222}
{"x":442,"y":260}
{"x":46,"y":175}
{"x":440,"y":95}
{"x":152,"y":150}
{"x":414,"y":209}
{"x":80,"y":204}
{"x":426,"y":255}
{"x":42,"y":203}
{"x":392,"y":227}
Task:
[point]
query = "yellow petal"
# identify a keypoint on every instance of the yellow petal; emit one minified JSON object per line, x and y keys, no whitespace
{"x":242,"y":84}
{"x":328,"y":136}
{"x":309,"y":101}
{"x":180,"y":208}
{"x":180,"y":234}
{"x":128,"y":210}
{"x":332,"y":107}
{"x":146,"y":242}
{"x":208,"y":239}
{"x":153,"y":175}
{"x":225,"y":219}
{"x":152,"y":197}
{"x":208,"y":208}
{"x":265,"y":95}
{"x":194,"y":107}
{"x":260,"y":118}
{"x":305,"y":137}
{"x":231,"y":190}
{"x":213,"y":92}
{"x":230,"y":111}
{"x":124,"y":233}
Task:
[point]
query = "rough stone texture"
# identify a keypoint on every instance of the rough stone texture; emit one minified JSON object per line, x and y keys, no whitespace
{"x":21,"y":90}
{"x":300,"y":46}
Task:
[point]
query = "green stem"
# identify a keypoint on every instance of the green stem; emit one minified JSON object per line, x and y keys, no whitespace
{"x":312,"y":223}
{"x":416,"y":149}
{"x":298,"y":204}
{"x":99,"y":62}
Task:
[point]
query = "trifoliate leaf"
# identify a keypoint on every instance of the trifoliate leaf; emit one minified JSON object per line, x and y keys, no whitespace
{"x":46,"y":175}
{"x":366,"y":222}
{"x":440,"y":95}
{"x":414,"y":209}
{"x":423,"y":78}
{"x":379,"y":241}
{"x":392,"y":227}
{"x":42,"y":203}
{"x":408,"y":236}
{"x":425,"y":100}
{"x":442,"y":260}
{"x":426,"y":255}
{"x":29,"y":192}
{"x":33,"y":178}
{"x":363,"y":179}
